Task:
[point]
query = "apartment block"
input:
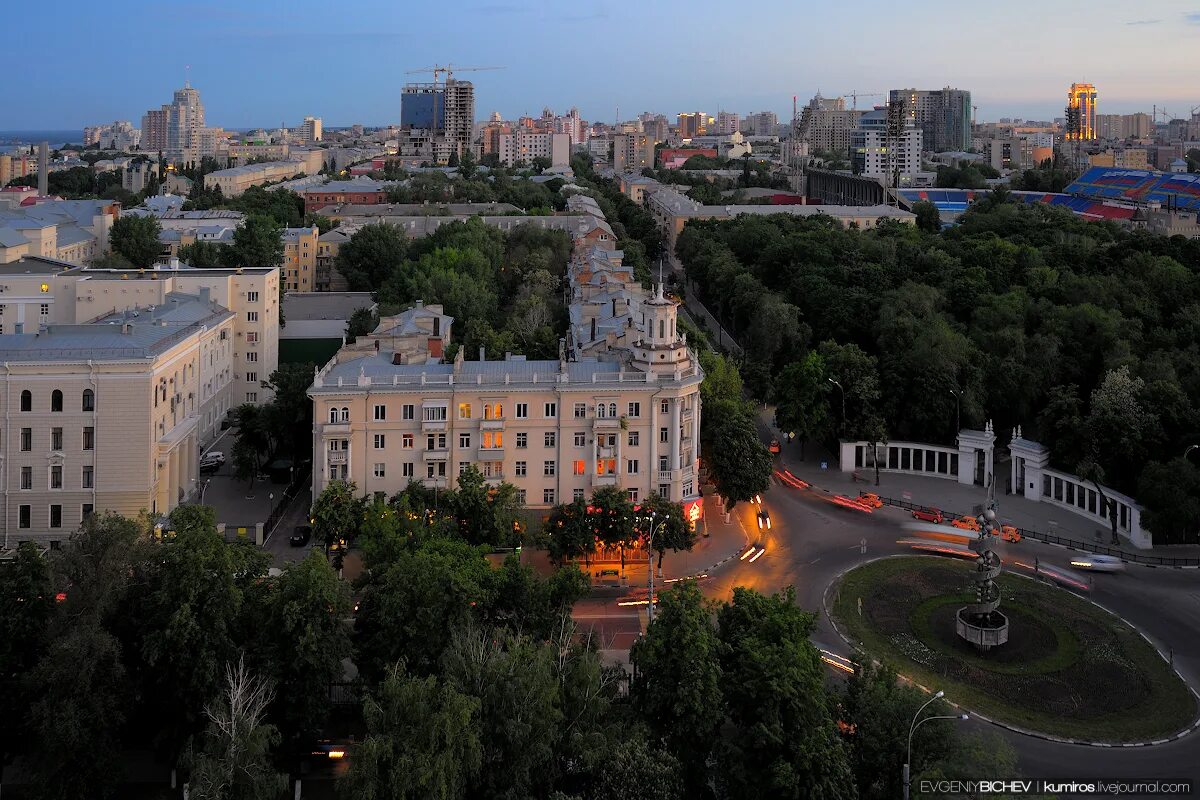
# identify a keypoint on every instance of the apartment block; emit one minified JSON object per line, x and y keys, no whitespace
{"x":299,"y":258}
{"x":524,"y":146}
{"x":943,"y":115}
{"x":633,"y":152}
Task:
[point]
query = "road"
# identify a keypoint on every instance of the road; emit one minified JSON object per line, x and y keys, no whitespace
{"x":812,"y":541}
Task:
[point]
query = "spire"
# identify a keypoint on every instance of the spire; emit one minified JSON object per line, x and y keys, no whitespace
{"x":658,"y":294}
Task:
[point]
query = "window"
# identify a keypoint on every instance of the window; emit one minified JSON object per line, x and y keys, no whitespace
{"x":633,"y":438}
{"x":548,"y":468}
{"x":89,"y":478}
{"x":251,"y":337}
{"x":406,"y":441}
{"x":580,"y":438}
{"x":27,"y":400}
{"x":664,"y":490}
{"x":464,"y":440}
{"x":578,"y":467}
{"x":23,"y":516}
{"x":44,"y":310}
{"x":550,"y":411}
{"x":664,"y":463}
{"x":89,"y":438}
{"x":662,"y":434}
{"x":379,"y":468}
{"x":56,"y":400}
{"x":380,"y":441}
{"x":519,"y":469}
{"x":333,"y":415}
{"x":493,"y":411}
{"x":89,"y":400}
{"x":550,"y":438}
{"x":251,"y":397}
{"x":612,"y":409}
{"x":522,"y":440}
{"x":600,"y":411}
{"x":56,"y":477}
{"x":344,"y":415}
{"x":580,"y":410}
{"x":251,"y":297}
{"x":251,"y":377}
{"x":522,"y":410}
{"x":492,"y":440}
{"x":251,"y":316}
{"x":406,"y":469}
{"x":548,"y":496}
{"x":521,"y":496}
{"x":26,"y":439}
{"x":434,"y":413}
{"x":464,"y":410}
{"x":56,"y":439}
{"x":406,"y":412}
{"x":631,"y":466}
{"x":462,"y":467}
{"x":665,"y":407}
{"x":26,"y":477}
{"x":633,"y":495}
{"x":577,"y":494}
{"x":606,"y":466}
{"x":380,"y":413}
{"x":635,"y":409}
{"x":85,"y":510}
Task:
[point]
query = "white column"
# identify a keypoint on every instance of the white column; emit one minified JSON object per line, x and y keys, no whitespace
{"x":696,"y":429}
{"x":653,"y":465}
{"x":675,"y":435}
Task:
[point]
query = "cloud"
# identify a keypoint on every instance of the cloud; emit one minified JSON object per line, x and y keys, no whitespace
{"x":1144,"y":22}
{"x":1192,"y":19}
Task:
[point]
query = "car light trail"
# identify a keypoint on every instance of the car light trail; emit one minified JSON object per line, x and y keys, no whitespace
{"x":757,"y":556}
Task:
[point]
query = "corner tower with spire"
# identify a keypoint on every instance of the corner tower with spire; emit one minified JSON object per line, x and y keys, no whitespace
{"x":661,"y":349}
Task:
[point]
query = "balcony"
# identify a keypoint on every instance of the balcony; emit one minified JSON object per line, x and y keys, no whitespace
{"x":606,"y":452}
{"x":607,"y":479}
{"x":491,"y":454}
{"x":332,"y":428}
{"x":686,"y":415}
{"x":339,"y":457}
{"x":667,"y":476}
{"x":491,"y":424}
{"x":437,"y":454}
{"x":606,"y":424}
{"x":433,"y":425}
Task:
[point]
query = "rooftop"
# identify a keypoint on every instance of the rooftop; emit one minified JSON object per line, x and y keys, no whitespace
{"x":324,"y":305}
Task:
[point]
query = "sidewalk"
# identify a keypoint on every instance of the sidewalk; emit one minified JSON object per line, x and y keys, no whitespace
{"x":954,"y":498}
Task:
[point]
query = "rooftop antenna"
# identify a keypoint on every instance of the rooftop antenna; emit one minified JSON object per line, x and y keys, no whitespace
{"x":187,"y":76}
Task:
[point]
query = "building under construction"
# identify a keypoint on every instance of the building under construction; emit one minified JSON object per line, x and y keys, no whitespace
{"x":440,"y":109}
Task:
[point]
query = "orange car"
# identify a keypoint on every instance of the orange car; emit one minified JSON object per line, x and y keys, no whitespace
{"x":966,"y":524}
{"x":1010,"y":534}
{"x":870,"y":499}
{"x":774,"y":446}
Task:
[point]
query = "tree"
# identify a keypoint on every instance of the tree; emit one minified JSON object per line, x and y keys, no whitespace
{"x":525,"y":603}
{"x":362,"y":321}
{"x":256,"y":243}
{"x":309,"y":640}
{"x":611,"y":513}
{"x":236,"y":761}
{"x":372,"y":255}
{"x":289,"y":415}
{"x":27,"y":609}
{"x":568,"y":532}
{"x":337,"y":513}
{"x":422,"y":741}
{"x":739,"y":462}
{"x":782,"y":741}
{"x":136,"y":238}
{"x":201,"y":254}
{"x":676,"y":685}
{"x":245,"y":461}
{"x":467,"y":165}
{"x":875,"y":711}
{"x":929,"y":219}
{"x":485,"y":514}
{"x":802,"y":399}
{"x":637,"y":770}
{"x":1170,"y":496}
{"x":672,"y":531}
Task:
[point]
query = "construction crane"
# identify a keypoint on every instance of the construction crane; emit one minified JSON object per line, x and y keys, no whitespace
{"x":855,"y":95}
{"x":448,"y":70}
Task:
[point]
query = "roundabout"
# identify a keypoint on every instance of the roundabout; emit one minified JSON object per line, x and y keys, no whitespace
{"x":1068,"y":669}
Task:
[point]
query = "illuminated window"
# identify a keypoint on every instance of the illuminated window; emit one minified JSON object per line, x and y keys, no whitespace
{"x":464,"y":410}
{"x":579,"y":467}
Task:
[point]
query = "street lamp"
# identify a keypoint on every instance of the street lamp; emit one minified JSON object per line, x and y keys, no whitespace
{"x":203,"y":487}
{"x":957,"y":404}
{"x":1189,"y":450}
{"x":650,"y":563}
{"x":918,"y":723}
{"x":843,"y":391}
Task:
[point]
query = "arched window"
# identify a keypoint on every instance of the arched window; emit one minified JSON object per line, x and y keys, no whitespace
{"x":56,"y":400}
{"x":27,"y":400}
{"x":345,"y":414}
{"x":333,"y":415}
{"x":662,"y":324}
{"x":612,"y":409}
{"x":600,"y":410}
{"x":89,"y":400}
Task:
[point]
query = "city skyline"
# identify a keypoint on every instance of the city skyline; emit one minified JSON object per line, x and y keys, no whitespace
{"x":233,"y":56}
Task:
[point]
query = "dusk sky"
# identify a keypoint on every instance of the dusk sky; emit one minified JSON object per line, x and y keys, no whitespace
{"x":79,"y":62}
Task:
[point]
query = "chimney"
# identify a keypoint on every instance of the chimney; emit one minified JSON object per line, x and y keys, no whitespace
{"x":593,"y":336}
{"x":482,"y":354}
{"x":44,"y":169}
{"x":205,"y":293}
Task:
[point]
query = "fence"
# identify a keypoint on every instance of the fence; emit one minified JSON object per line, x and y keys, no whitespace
{"x":1074,"y":544}
{"x":300,"y":483}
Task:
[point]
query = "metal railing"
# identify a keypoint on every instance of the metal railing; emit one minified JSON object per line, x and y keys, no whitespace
{"x":1074,"y":544}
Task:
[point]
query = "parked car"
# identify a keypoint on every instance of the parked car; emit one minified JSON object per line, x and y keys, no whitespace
{"x":1097,"y":563}
{"x":764,"y":519}
{"x":966,"y":523}
{"x":209,"y":465}
{"x":214,"y":455}
{"x":301,"y":535}
{"x":928,"y":515}
{"x":870,"y":500}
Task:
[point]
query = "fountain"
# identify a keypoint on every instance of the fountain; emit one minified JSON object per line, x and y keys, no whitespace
{"x":981,"y":623}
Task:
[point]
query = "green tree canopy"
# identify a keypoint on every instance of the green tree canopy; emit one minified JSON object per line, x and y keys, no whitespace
{"x":136,"y":238}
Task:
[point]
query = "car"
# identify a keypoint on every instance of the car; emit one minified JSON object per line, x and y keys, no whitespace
{"x":966,"y":523}
{"x":870,"y":500}
{"x":1098,"y":563}
{"x":214,"y":455}
{"x":758,"y":499}
{"x":774,"y":446}
{"x":208,"y":466}
{"x":764,"y":519}
{"x":301,"y":535}
{"x":928,"y":514}
{"x":1009,"y":533}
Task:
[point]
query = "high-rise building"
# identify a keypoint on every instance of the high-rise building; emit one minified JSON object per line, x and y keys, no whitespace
{"x":943,"y":115}
{"x":826,"y":124}
{"x":693,"y":124}
{"x":1081,"y":98}
{"x":442,"y":108}
{"x":877,"y":154}
{"x":761,"y":123}
{"x":633,"y":152}
{"x":176,"y":129}
{"x":310,"y":130}
{"x":727,"y":122}
{"x":154,"y":130}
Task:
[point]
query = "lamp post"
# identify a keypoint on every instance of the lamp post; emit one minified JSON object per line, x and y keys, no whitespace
{"x":1189,"y":450}
{"x":203,"y":485}
{"x":916,"y":723}
{"x":843,"y":391}
{"x":650,"y":563}
{"x":957,"y":407}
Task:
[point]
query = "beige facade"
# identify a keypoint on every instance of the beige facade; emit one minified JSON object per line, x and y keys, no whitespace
{"x":107,"y":416}
{"x":241,"y":153}
{"x":300,"y":258}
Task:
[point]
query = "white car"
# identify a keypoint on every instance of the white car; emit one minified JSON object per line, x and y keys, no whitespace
{"x":214,"y":455}
{"x":1097,"y":563}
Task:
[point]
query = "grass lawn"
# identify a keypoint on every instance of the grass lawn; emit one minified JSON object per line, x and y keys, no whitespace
{"x":1070,"y":669}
